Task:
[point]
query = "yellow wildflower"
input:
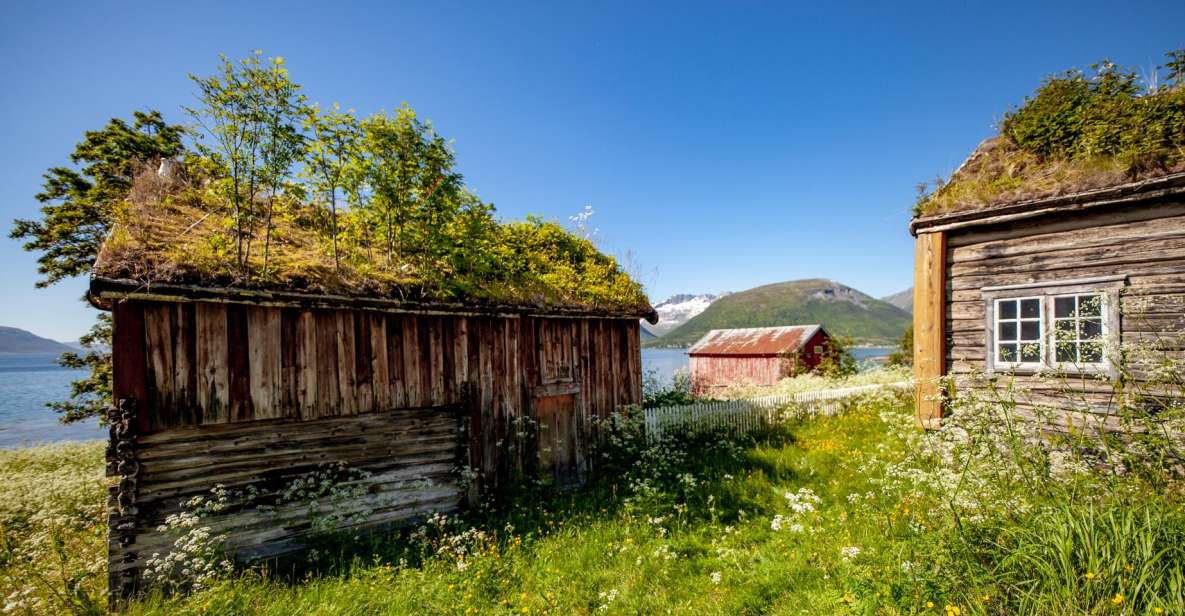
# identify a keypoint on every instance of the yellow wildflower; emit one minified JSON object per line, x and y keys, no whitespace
{"x":1089,"y":575}
{"x":929,"y":604}
{"x":1117,"y":599}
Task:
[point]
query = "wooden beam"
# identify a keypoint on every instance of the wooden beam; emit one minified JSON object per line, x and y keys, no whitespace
{"x":929,"y":317}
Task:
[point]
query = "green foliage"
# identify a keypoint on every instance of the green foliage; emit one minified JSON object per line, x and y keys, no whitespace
{"x":1105,"y":114}
{"x":903,"y":355}
{"x":1077,"y":131}
{"x":657,"y":393}
{"x":837,"y":361}
{"x":53,"y":538}
{"x":271,"y":169}
{"x":90,"y":396}
{"x":81,"y":205}
{"x":249,"y":111}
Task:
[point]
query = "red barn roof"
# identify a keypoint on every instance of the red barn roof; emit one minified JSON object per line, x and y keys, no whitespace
{"x":754,"y":340}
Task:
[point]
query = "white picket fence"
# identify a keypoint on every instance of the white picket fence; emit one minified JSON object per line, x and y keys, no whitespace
{"x":744,"y":415}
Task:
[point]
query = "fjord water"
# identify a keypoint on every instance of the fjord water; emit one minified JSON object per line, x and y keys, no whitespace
{"x":27,"y":382}
{"x":663,"y":363}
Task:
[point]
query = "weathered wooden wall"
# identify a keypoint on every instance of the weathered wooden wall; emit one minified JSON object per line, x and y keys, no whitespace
{"x":236,"y":394}
{"x":710,"y":373}
{"x":1145,"y":243}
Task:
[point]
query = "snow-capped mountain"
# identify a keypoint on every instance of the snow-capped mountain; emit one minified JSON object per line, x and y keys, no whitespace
{"x":678,"y":309}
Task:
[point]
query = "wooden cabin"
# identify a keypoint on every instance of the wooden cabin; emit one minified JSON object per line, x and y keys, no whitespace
{"x":1056,"y":284}
{"x":254,"y":389}
{"x":754,"y":356}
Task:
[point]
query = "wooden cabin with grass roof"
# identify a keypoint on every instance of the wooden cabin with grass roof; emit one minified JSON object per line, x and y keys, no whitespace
{"x":1057,"y":251}
{"x":247,"y":380}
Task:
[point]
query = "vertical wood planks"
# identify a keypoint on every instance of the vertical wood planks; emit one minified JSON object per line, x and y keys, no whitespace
{"x":209,"y":363}
{"x":328,"y":394}
{"x":264,"y":362}
{"x":347,"y":377}
{"x":239,"y":363}
{"x":129,"y":361}
{"x":394,"y":326}
{"x":305,"y":345}
{"x":185,"y":365}
{"x":380,"y":375}
{"x":158,"y":340}
{"x":213,"y":372}
{"x":929,"y":320}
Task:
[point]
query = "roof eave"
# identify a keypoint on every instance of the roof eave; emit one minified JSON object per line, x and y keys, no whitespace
{"x":1129,"y":193}
{"x":103,"y":292}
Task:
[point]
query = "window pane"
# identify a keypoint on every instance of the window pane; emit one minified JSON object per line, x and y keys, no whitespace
{"x":1090,"y":305}
{"x":1066,"y":352}
{"x":1030,"y":330}
{"x":1030,"y":352}
{"x":1090,"y":329}
{"x":1008,"y":331}
{"x":1092,"y":352}
{"x":1007,"y":309}
{"x":1063,"y":329}
{"x":1030,"y":308}
{"x":1063,"y":307}
{"x":1007,"y":353}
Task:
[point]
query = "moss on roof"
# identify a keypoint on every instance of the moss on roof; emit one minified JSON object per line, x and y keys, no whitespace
{"x":1077,"y":132}
{"x":173,"y":230}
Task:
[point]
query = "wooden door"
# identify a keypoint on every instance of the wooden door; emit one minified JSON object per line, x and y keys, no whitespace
{"x":558,"y":443}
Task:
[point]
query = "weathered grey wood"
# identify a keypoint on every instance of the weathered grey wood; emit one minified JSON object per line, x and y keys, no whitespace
{"x":1141,"y":248}
{"x":213,"y":371}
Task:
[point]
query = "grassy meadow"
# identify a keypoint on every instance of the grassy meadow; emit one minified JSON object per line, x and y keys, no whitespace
{"x":857,"y":513}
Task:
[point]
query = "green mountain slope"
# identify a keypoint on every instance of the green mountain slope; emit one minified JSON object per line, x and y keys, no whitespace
{"x":840,"y":309}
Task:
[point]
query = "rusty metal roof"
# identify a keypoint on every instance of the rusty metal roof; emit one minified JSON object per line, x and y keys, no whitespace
{"x":754,"y":340}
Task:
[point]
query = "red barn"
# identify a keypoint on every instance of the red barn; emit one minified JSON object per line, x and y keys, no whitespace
{"x":754,"y":355}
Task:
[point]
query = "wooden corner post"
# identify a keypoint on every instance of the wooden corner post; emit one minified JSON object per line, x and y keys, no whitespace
{"x":929,"y":325}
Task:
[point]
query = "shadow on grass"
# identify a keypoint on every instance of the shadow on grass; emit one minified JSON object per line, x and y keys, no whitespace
{"x":730,"y":475}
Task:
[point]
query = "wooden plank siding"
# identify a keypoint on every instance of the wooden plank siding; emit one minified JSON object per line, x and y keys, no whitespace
{"x":1146,"y":244}
{"x":236,"y":394}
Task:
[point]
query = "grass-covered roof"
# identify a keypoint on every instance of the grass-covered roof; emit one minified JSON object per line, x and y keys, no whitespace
{"x":1078,"y":132}
{"x":173,"y":230}
{"x":271,"y":193}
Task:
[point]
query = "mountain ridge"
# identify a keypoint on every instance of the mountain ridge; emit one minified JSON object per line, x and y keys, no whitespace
{"x":17,"y":340}
{"x":901,"y":299}
{"x":840,"y":309}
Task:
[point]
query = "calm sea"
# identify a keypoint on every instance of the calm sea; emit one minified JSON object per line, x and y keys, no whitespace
{"x":27,"y":382}
{"x":664,"y":362}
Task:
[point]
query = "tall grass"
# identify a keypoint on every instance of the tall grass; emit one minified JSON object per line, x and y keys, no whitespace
{"x":859,"y":513}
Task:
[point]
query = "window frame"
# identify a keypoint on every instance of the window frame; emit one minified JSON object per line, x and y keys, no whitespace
{"x":1019,"y":365}
{"x":1106,"y":286}
{"x":1078,"y":366}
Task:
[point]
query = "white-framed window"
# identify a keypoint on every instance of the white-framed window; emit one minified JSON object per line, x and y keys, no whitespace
{"x":1079,"y":330}
{"x":1064,"y":325}
{"x":1020,"y":329}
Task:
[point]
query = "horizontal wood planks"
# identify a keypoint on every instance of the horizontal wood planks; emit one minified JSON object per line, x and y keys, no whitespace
{"x":1145,"y":244}
{"x":409,"y":455}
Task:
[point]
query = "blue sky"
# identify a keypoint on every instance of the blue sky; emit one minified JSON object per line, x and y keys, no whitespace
{"x":722,"y":145}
